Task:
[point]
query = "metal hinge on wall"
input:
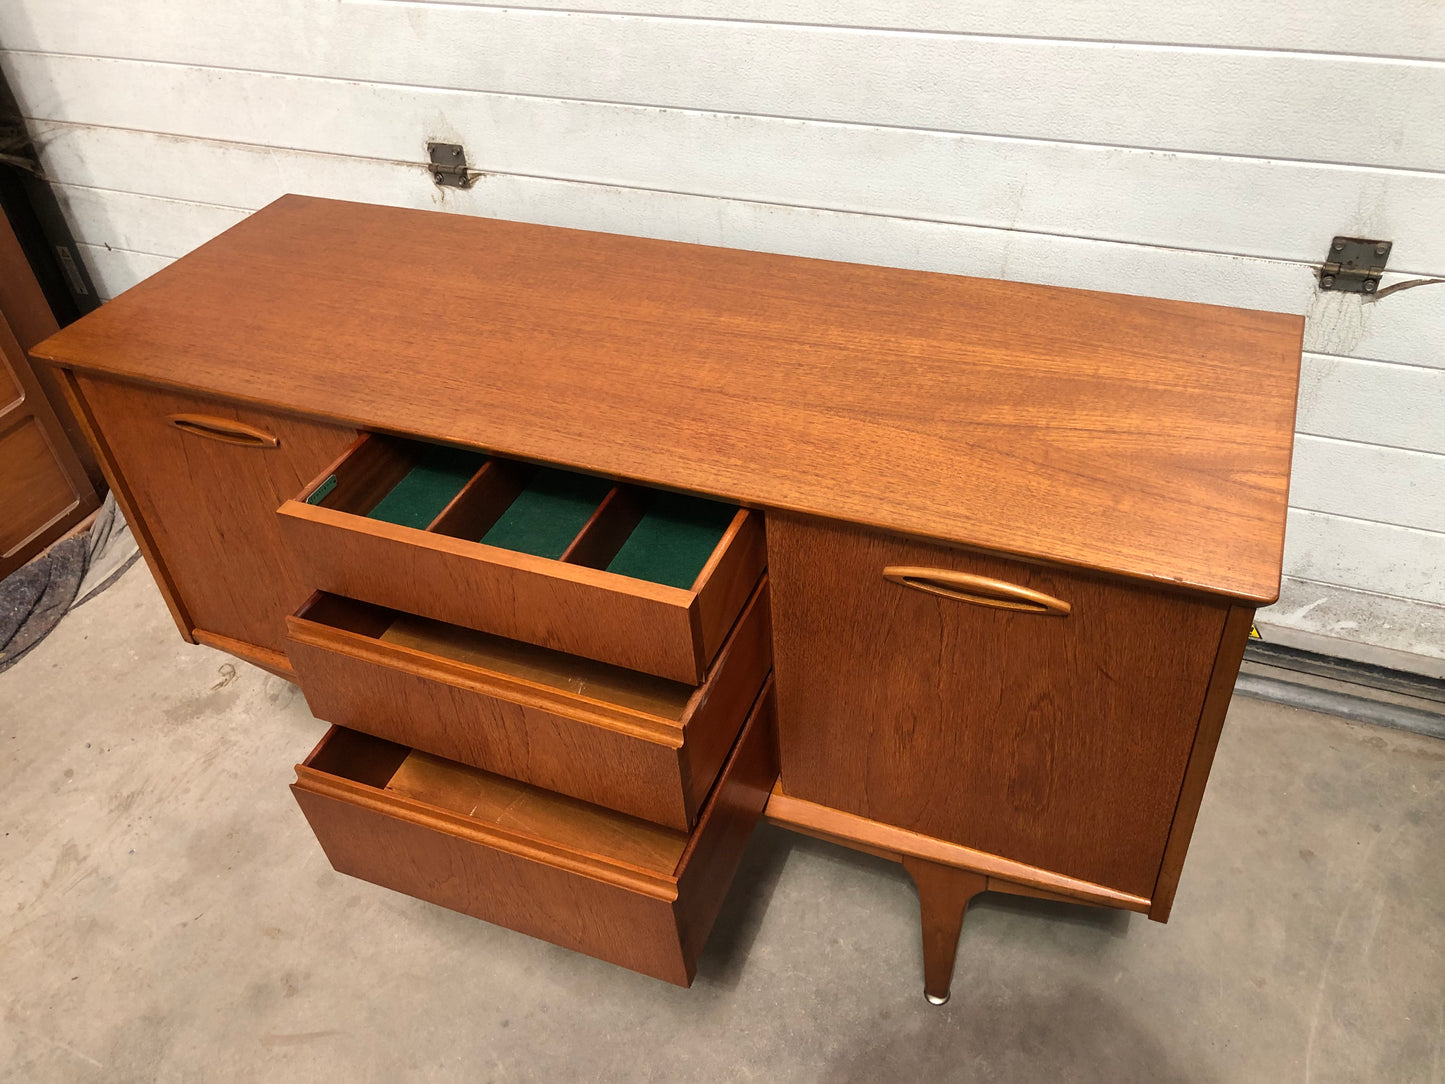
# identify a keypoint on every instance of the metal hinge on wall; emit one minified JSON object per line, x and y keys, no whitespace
{"x":1354,"y":265}
{"x":449,"y":165}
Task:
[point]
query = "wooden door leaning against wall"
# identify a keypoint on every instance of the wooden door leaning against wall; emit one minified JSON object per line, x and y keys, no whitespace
{"x":44,"y":488}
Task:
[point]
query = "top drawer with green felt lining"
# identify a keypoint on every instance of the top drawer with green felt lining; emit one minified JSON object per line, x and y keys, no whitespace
{"x":643,"y":579}
{"x":428,"y":487}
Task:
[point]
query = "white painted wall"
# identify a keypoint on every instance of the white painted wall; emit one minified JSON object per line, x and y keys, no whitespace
{"x":1206,"y":152}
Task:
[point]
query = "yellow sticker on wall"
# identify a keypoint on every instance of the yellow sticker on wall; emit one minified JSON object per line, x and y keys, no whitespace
{"x":1254,"y":633}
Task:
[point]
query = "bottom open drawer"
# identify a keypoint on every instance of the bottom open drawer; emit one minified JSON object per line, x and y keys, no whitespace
{"x":583,"y":877}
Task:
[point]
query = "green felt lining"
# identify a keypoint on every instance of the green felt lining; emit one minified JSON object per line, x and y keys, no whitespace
{"x":428,"y":487}
{"x":548,"y":514}
{"x":673,"y":540}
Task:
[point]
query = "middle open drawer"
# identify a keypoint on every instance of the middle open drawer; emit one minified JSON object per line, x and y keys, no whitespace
{"x":617,"y":738}
{"x":640,"y":578}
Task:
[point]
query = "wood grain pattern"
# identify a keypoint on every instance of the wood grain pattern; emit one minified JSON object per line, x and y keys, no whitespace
{"x":381,"y":839}
{"x":24,"y":308}
{"x":1230,"y":653}
{"x":1059,"y":742}
{"x":561,"y":605}
{"x":615,"y":738}
{"x":944,"y":893}
{"x":1014,"y":418}
{"x":725,"y":582}
{"x":889,"y":841}
{"x":576,"y":892}
{"x":727,"y":822}
{"x":363,"y":474}
{"x":126,"y":501}
{"x":227,"y":431}
{"x":976,"y":590}
{"x":603,"y":535}
{"x":569,"y":608}
{"x":271,"y":661}
{"x":43,"y":487}
{"x":572,"y":675}
{"x":541,"y":814}
{"x":209,"y":507}
{"x":259,"y":174}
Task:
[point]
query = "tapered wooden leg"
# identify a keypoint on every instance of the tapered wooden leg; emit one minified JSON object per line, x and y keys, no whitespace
{"x":943,"y":895}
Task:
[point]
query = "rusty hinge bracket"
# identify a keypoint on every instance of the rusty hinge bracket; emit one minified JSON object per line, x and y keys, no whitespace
{"x":449,"y":165}
{"x":1354,"y":265}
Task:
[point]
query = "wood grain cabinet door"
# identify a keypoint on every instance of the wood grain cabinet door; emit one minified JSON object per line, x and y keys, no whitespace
{"x":43,"y":487}
{"x":205,"y":478}
{"x":955,"y":699}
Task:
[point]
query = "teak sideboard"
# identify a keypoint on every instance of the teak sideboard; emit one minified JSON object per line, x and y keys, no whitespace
{"x":596,"y":549}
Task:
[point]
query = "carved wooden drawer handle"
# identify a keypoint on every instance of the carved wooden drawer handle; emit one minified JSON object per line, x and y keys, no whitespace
{"x":980,"y":590}
{"x":227,"y":430}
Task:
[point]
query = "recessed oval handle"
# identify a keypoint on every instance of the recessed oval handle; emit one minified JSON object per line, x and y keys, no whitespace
{"x":226,"y":430}
{"x":979,"y":590}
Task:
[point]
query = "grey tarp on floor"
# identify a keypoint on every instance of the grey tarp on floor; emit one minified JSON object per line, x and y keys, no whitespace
{"x":35,"y":597}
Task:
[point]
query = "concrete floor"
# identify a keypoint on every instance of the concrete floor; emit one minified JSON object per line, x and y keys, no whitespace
{"x":165,"y":915}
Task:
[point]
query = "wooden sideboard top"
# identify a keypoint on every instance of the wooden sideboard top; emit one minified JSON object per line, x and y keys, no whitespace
{"x":1144,"y":437}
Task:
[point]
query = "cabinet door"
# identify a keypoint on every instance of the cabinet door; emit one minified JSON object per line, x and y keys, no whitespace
{"x":43,"y":489}
{"x":1055,"y":740}
{"x":205,"y":478}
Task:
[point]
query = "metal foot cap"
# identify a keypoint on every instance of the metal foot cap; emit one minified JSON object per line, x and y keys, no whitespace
{"x":932,"y":1000}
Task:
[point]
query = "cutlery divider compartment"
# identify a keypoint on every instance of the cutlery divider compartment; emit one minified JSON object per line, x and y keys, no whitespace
{"x":674,"y":539}
{"x":549,"y":514}
{"x":653,"y":535}
{"x":405,"y":482}
{"x":582,"y":519}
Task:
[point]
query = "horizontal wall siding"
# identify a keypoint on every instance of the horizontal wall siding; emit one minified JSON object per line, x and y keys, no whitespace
{"x":1401,"y":28}
{"x":1404,"y":327}
{"x":1253,"y":102}
{"x":1368,"y":556}
{"x":116,"y":270}
{"x":1351,"y":623}
{"x":1198,"y":202}
{"x":140,"y":223}
{"x":1386,"y":28}
{"x":1402,"y":406}
{"x":1390,"y":485}
{"x":1139,"y":148}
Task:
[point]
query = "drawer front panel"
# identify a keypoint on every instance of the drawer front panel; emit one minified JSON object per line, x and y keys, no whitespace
{"x":207,"y":477}
{"x":956,"y":699}
{"x":546,"y":886}
{"x":649,"y":763}
{"x":435,"y":580}
{"x":567,"y":602}
{"x":407,"y":855}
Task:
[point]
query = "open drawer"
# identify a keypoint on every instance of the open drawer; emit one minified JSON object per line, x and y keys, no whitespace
{"x":582,"y":877}
{"x":639,"y":578}
{"x":619,"y":738}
